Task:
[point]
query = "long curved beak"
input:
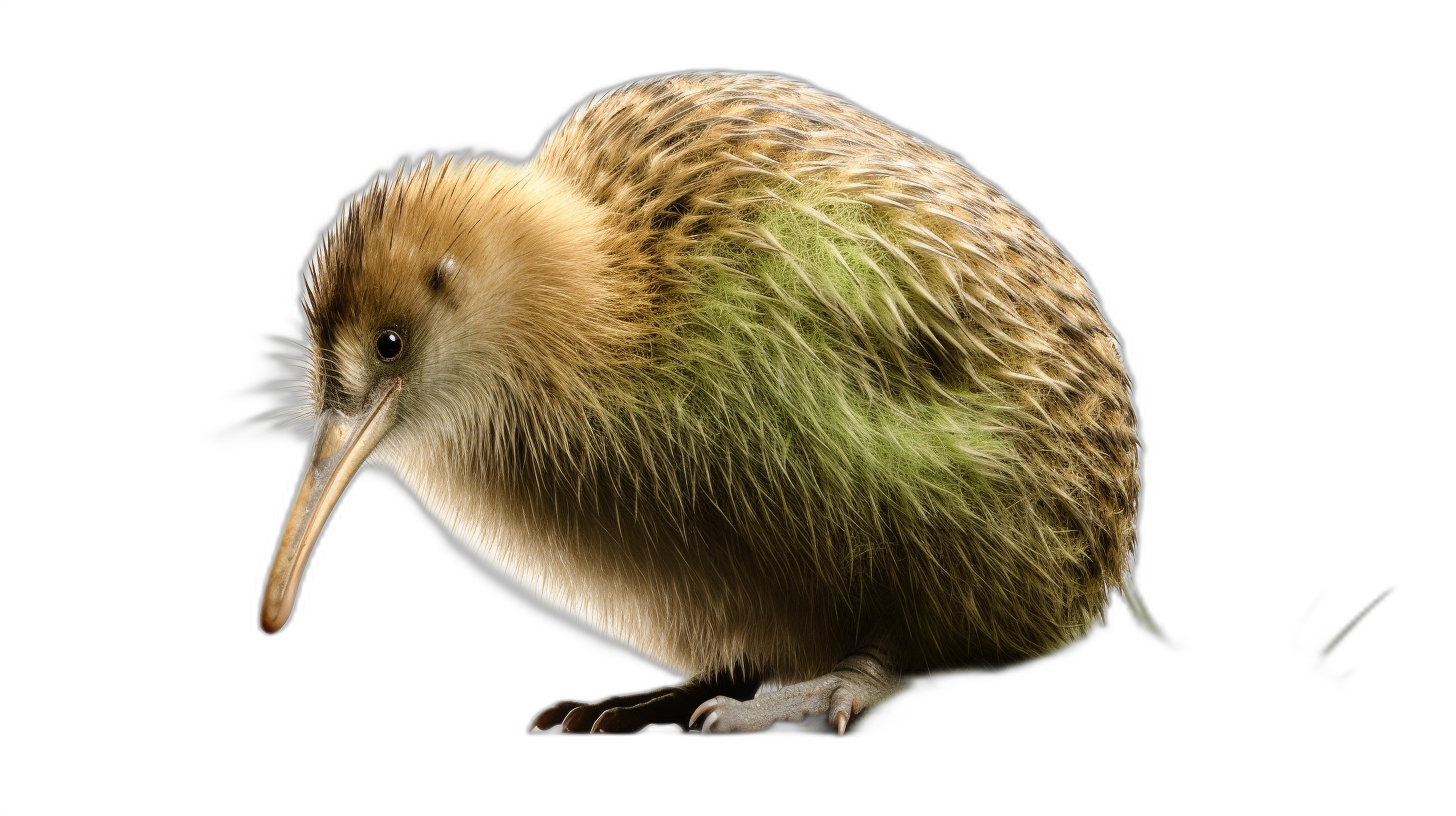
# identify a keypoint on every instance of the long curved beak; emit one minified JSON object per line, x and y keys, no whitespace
{"x":341,"y":445}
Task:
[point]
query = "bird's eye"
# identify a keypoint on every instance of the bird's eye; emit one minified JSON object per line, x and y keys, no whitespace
{"x":389,"y":346}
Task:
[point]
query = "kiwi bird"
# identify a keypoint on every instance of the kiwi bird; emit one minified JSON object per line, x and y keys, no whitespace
{"x":769,"y":389}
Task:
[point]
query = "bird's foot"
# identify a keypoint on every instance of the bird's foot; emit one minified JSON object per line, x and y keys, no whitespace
{"x":858,"y":682}
{"x":633,"y":712}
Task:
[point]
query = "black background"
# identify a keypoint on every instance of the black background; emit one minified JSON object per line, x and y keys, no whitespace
{"x":1200,"y":203}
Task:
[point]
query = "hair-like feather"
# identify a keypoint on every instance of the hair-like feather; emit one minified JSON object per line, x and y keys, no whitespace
{"x":742,"y":374}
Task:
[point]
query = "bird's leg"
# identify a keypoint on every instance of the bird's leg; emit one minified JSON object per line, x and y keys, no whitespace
{"x":858,"y":682}
{"x":633,"y":712}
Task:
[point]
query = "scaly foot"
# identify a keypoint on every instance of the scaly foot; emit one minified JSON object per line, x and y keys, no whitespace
{"x":858,"y":682}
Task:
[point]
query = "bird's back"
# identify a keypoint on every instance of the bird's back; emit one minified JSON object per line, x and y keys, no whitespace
{"x":875,"y":396}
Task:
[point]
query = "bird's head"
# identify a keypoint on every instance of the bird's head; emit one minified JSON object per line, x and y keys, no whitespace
{"x":439,"y":302}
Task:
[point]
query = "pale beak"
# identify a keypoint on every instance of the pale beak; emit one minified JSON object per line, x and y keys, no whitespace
{"x":342,"y":444}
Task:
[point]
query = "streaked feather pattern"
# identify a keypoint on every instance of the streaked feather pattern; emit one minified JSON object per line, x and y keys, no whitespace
{"x":745,"y":375}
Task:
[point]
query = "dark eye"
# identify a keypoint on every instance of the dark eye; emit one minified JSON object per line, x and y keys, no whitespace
{"x":389,"y":346}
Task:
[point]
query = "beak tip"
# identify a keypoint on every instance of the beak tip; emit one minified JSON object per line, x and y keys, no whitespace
{"x":272,"y":622}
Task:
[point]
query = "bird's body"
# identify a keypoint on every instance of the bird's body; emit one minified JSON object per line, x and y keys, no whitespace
{"x":745,"y":376}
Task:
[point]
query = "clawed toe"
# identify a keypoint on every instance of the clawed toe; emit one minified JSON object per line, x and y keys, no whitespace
{"x":722,"y":715}
{"x":859,"y":681}
{"x":842,"y":705}
{"x":555,"y":715}
{"x":709,"y":709}
{"x":581,"y":719}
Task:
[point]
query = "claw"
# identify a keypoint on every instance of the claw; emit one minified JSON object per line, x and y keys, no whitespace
{"x":597,"y":726}
{"x":577,"y":721}
{"x":841,"y":708}
{"x":554,"y":716}
{"x":704,"y":709}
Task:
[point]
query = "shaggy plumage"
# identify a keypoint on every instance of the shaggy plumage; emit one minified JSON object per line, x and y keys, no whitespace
{"x":747,"y":378}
